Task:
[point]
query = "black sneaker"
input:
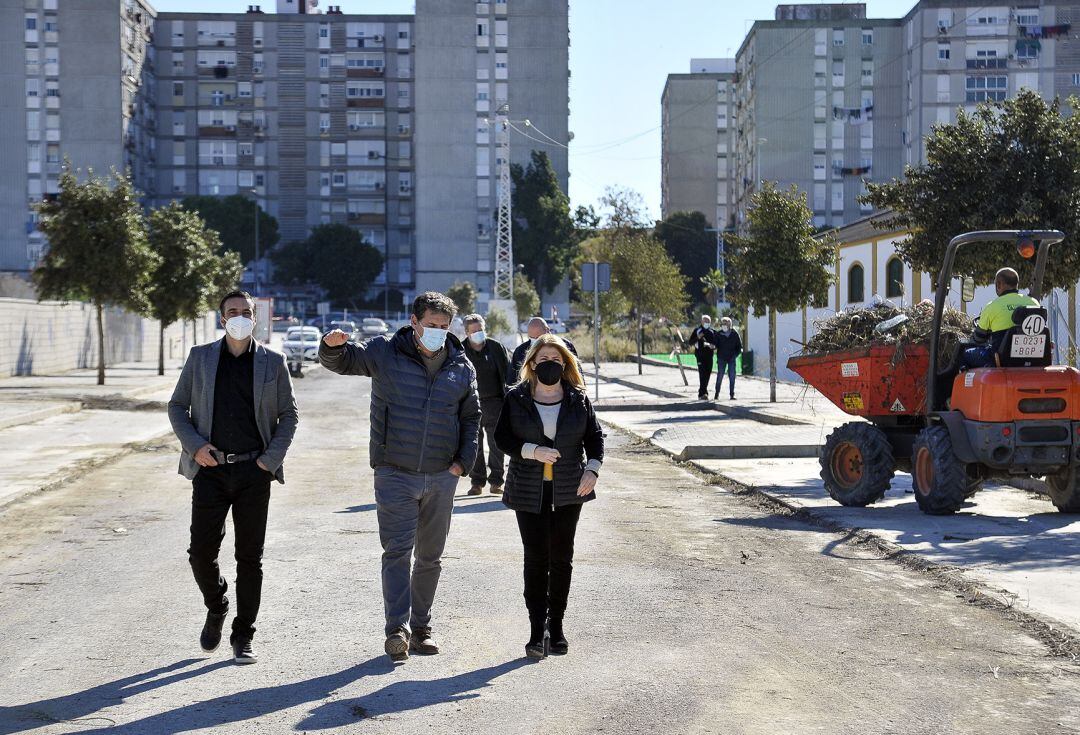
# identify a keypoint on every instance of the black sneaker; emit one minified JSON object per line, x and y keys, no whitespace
{"x":243,"y":652}
{"x":421,"y":641}
{"x":210,"y":638}
{"x":397,"y":646}
{"x":476,"y":489}
{"x":537,"y":647}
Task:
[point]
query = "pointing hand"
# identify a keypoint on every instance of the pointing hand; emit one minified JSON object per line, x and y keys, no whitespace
{"x":335,"y":338}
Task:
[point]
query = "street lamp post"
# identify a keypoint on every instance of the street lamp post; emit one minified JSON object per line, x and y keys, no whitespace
{"x":255,"y":198}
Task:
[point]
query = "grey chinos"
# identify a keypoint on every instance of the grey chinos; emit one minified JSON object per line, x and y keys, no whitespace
{"x":414,"y":510}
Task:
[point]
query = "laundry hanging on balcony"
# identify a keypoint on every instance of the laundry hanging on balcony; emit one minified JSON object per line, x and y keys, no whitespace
{"x":864,"y":168}
{"x":1044,"y":31}
{"x":853,"y":115}
{"x":1028,"y":47}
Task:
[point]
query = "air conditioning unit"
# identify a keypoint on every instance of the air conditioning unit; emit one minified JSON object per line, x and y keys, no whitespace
{"x":377,"y":38}
{"x":372,"y":154}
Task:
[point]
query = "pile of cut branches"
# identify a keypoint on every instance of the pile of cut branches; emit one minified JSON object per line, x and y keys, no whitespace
{"x":858,"y":327}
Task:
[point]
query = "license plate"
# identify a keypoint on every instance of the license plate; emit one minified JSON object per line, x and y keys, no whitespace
{"x":1024,"y":345}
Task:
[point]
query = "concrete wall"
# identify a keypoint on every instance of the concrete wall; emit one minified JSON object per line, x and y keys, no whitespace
{"x":689,"y":177}
{"x":50,"y":337}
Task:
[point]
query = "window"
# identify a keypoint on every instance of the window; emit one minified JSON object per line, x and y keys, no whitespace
{"x":178,"y":89}
{"x":33,"y":56}
{"x":33,"y":87}
{"x":338,"y":179}
{"x":1027,"y":16}
{"x":243,"y":90}
{"x":31,"y":23}
{"x":984,"y":89}
{"x":894,"y":278}
{"x":943,"y":52}
{"x":1076,"y":80}
{"x":324,"y":122}
{"x":257,"y":64}
{"x":868,"y":36}
{"x":819,"y":167}
{"x":838,"y":37}
{"x":838,"y":73}
{"x":1027,"y":49}
{"x":867,"y":72}
{"x":856,"y":288}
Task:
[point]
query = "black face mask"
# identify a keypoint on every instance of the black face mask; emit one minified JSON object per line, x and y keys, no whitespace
{"x":549,"y":372}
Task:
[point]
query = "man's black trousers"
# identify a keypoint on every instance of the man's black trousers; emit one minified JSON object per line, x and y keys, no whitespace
{"x":244,"y":487}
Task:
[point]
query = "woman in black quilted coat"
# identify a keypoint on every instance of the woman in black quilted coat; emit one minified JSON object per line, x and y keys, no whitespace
{"x":548,"y":429}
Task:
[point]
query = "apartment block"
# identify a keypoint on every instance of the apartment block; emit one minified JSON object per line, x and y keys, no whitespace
{"x":697,"y":123}
{"x":381,"y":122}
{"x":828,"y":99}
{"x":473,"y":59}
{"x":311,"y":115}
{"x":960,"y":53}
{"x":78,"y":80}
{"x":818,"y":104}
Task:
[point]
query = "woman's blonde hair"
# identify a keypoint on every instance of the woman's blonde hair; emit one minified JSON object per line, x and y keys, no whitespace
{"x":571,"y":369}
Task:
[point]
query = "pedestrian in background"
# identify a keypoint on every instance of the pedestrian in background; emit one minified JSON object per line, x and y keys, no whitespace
{"x":235,"y":416}
{"x":425,"y":417}
{"x":703,"y":340}
{"x":536,"y":327}
{"x":728,"y":349}
{"x":548,"y":428}
{"x":491,"y":360}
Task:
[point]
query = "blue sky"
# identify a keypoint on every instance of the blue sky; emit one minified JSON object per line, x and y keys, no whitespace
{"x":620,"y":54}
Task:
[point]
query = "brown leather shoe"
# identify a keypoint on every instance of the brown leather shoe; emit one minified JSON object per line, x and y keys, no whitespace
{"x":496,"y":489}
{"x":476,"y":490}
{"x":421,"y":641}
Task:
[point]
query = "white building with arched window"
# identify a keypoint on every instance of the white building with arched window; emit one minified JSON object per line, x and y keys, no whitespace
{"x":867,"y":267}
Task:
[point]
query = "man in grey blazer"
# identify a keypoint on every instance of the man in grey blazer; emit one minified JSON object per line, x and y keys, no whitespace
{"x":234,"y":413}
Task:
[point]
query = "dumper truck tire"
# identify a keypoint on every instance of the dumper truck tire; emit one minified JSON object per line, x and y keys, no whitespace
{"x":857,"y":464}
{"x":940,"y":480}
{"x":1064,"y":490}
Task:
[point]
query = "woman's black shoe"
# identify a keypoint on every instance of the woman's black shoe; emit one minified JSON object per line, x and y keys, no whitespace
{"x":537,"y":647}
{"x":559,"y":646}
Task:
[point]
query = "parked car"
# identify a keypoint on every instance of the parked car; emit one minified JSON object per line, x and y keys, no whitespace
{"x":372,"y":327}
{"x":283,"y":323}
{"x":302,"y":343}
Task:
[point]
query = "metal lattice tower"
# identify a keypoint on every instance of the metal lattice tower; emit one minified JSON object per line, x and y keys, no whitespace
{"x":504,"y":244}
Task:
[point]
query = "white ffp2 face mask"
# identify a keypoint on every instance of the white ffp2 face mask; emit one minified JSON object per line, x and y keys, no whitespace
{"x":478,"y":337}
{"x":239,"y":327}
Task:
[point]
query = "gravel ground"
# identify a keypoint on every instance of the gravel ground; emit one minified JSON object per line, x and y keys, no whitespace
{"x":692,"y":611}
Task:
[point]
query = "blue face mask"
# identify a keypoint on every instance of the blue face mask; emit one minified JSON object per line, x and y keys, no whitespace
{"x":433,"y":338}
{"x":478,"y":337}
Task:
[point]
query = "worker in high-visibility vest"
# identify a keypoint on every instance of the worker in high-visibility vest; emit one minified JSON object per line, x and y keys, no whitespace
{"x":996,"y":318}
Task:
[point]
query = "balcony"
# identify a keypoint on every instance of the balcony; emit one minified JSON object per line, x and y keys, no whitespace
{"x":367,"y":218}
{"x":218,"y":131}
{"x":361,"y":73}
{"x":366,"y":102}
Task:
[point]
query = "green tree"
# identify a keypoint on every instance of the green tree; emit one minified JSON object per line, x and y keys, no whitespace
{"x":649,"y":280}
{"x":713,"y":283}
{"x":224,"y":274}
{"x":543,"y":232}
{"x":97,"y":247}
{"x":292,"y":263}
{"x":187,"y":260}
{"x":463,"y":294}
{"x":496,"y":322}
{"x":687,"y":241}
{"x":1009,"y":165}
{"x":233,"y":217}
{"x":526,"y":299}
{"x":333,"y":256}
{"x":781,"y":264}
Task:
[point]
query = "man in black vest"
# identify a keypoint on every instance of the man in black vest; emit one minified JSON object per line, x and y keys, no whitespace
{"x":492,"y":363}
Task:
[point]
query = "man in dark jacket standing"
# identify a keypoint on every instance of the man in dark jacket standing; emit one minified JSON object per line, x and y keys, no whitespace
{"x":492,"y":364}
{"x":703,"y":340}
{"x":425,"y":417}
{"x":536,"y":327}
{"x":728,"y":349}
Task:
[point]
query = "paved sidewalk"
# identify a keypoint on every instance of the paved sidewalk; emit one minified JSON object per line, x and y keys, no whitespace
{"x":796,"y":403}
{"x":1010,"y":542}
